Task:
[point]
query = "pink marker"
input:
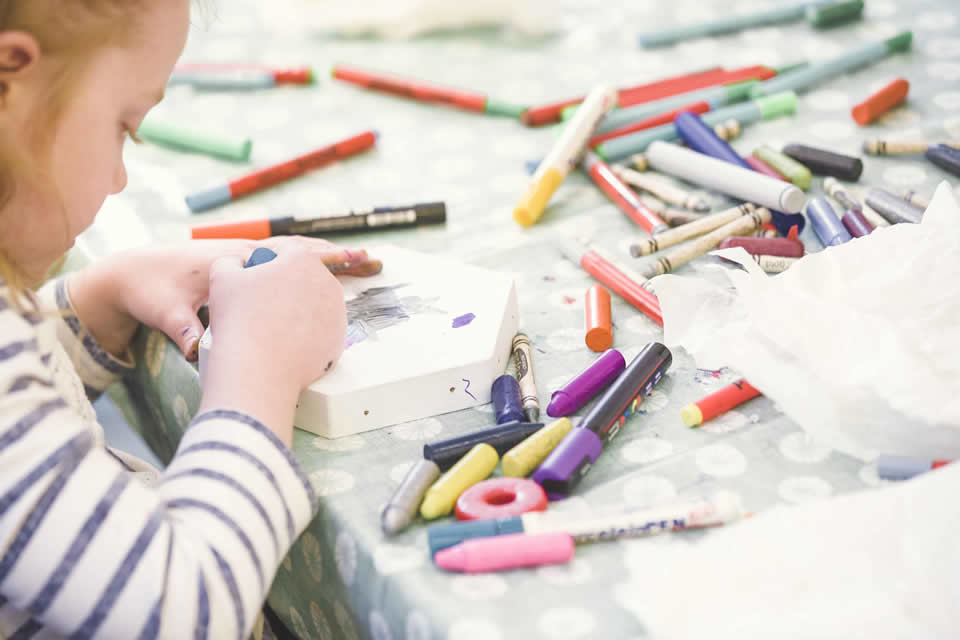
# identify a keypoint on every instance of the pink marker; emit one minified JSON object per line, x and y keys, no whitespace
{"x":500,"y":553}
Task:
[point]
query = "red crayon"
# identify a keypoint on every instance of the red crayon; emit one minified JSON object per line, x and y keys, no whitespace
{"x":616,"y":279}
{"x":413,"y":89}
{"x":760,"y":166}
{"x":649,"y":123}
{"x":622,"y":195}
{"x":222,"y":194}
{"x":718,"y":402}
{"x":784,"y":247}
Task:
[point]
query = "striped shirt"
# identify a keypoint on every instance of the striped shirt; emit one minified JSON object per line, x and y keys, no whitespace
{"x":86,"y":550}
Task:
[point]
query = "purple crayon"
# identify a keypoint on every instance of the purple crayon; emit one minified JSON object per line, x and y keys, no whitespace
{"x":586,"y":384}
{"x":578,"y":451}
{"x":856,"y":224}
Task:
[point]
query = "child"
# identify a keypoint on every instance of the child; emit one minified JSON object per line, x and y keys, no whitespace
{"x":87,"y":550}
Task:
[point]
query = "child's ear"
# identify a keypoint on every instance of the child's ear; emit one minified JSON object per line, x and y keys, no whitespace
{"x":19,"y":52}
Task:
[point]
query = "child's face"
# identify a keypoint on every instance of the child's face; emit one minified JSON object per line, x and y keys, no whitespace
{"x":111,"y":100}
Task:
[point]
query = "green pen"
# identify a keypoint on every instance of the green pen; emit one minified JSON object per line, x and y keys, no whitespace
{"x":833,"y":14}
{"x":176,"y":137}
{"x":798,"y":174}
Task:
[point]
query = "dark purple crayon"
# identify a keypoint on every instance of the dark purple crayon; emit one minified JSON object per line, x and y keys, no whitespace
{"x":507,"y":400}
{"x":945,"y":157}
{"x":785,"y":247}
{"x":856,"y":224}
{"x":586,"y":384}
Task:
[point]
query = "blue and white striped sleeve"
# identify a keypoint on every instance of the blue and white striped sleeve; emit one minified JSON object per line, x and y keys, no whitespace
{"x":97,"y":368}
{"x":85,"y":551}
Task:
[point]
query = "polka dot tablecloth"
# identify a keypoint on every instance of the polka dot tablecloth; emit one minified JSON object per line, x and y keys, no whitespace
{"x":344,"y":579}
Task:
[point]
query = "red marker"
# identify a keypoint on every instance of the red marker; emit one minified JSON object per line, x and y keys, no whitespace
{"x":412,"y":89}
{"x":222,"y":194}
{"x":622,"y":195}
{"x":616,"y":278}
{"x":718,"y":402}
{"x":649,"y":123}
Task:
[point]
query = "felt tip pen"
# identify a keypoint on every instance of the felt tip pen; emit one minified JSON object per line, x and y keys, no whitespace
{"x":264,"y":178}
{"x":576,"y":454}
{"x":721,"y":508}
{"x":377,"y":219}
{"x":622,"y":195}
{"x":224,"y":80}
{"x":281,"y":75}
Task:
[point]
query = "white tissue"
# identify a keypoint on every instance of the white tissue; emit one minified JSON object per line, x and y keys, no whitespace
{"x":859,"y":343}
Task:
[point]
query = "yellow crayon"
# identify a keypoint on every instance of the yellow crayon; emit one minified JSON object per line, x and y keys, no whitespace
{"x":527,"y":456}
{"x":477,"y":465}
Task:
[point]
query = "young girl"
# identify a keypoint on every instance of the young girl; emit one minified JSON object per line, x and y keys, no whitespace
{"x":86,"y":548}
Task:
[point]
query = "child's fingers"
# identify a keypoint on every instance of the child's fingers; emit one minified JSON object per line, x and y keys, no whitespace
{"x":184,"y":327}
{"x":361,"y":269}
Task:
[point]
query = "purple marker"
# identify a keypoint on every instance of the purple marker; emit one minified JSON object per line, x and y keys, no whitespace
{"x":586,"y":384}
{"x":578,"y":451}
{"x":856,"y":224}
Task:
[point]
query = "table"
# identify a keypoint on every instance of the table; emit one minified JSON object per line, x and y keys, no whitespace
{"x":343,"y":579}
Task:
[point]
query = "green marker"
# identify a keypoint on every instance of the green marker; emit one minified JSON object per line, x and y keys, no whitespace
{"x":798,"y":174}
{"x":815,"y":73}
{"x":497,"y":108}
{"x":168,"y":135}
{"x":765,"y":108}
{"x":790,"y":13}
{"x":833,"y":14}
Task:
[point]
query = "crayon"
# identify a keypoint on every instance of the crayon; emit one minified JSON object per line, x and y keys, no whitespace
{"x":718,"y":402}
{"x":760,"y":166}
{"x":378,"y":219}
{"x":598,"y":326}
{"x":826,"y":224}
{"x":895,"y":210}
{"x":616,"y":277}
{"x":526,"y":456}
{"x":528,"y":385}
{"x":784,"y":164}
{"x":264,"y":178}
{"x":648,"y":123}
{"x":904,"y":468}
{"x":855,"y":222}
{"x":564,"y":155}
{"x":501,"y":553}
{"x":501,"y":437}
{"x":774,"y":264}
{"x":475,"y":466}
{"x":507,"y":400}
{"x":584,"y":386}
{"x":873,"y":217}
{"x":176,"y":137}
{"x":663,"y":188}
{"x":784,"y":247}
{"x":947,"y":158}
{"x":673,"y":217}
{"x":914,"y":198}
{"x":836,"y":191}
{"x":704,"y":244}
{"x":622,"y":196}
{"x":901,"y":147}
{"x":826,"y":163}
{"x":405,"y":503}
{"x":880,"y":102}
{"x":704,"y":225}
{"x":566,"y":465}
{"x":816,"y":73}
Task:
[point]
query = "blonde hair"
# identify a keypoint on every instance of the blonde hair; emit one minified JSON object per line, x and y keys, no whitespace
{"x":68,"y":33}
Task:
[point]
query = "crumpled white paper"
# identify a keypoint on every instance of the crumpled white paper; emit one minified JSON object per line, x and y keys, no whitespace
{"x":880,"y":564}
{"x":859,"y":343}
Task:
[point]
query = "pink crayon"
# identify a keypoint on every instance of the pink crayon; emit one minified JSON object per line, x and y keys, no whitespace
{"x":499,"y":553}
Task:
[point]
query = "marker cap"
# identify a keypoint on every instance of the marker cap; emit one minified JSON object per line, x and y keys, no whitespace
{"x":209,"y":198}
{"x":442,"y":536}
{"x":779,"y":104}
{"x":900,"y":42}
{"x":562,"y":468}
{"x":249,"y":230}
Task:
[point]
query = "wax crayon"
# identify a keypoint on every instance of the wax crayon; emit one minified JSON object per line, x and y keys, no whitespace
{"x":526,"y":456}
{"x":506,"y":552}
{"x":565,"y":153}
{"x":774,"y":264}
{"x":725,"y":25}
{"x":616,"y":277}
{"x":826,"y":224}
{"x":405,"y":503}
{"x":500,"y":498}
{"x":507,"y":400}
{"x":501,"y":437}
{"x":378,"y":219}
{"x":768,"y":231}
{"x":785,"y":247}
{"x":901,"y":147}
{"x":880,"y":102}
{"x":282,"y":172}
{"x":648,"y":123}
{"x":699,"y":137}
{"x":904,"y":468}
{"x":528,"y":385}
{"x":830,"y":14}
{"x":646,"y":246}
{"x":598,"y":326}
{"x":945,"y":157}
{"x":176,"y":137}
{"x":663,"y":188}
{"x":816,"y":73}
{"x":718,"y":402}
{"x":475,"y":466}
{"x":705,"y":243}
{"x":837,"y":191}
{"x":584,"y":386}
{"x":670,"y":215}
{"x":895,"y":210}
{"x":914,"y":198}
{"x":566,"y":465}
{"x":873,"y":217}
{"x":854,"y":222}
{"x":622,"y":196}
{"x":679,"y":515}
{"x":826,"y":163}
{"x":784,"y":164}
{"x":760,"y":166}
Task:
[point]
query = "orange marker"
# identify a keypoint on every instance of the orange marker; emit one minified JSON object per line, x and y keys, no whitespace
{"x":880,"y":102}
{"x":599,"y":327}
{"x":718,"y":402}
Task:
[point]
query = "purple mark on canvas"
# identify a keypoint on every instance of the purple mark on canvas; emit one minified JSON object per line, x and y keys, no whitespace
{"x":464,"y":320}
{"x":467,"y":389}
{"x":549,"y":279}
{"x":380,"y":308}
{"x":707,"y":376}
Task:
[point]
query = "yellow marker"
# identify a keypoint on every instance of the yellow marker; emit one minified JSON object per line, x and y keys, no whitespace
{"x":527,"y":456}
{"x":477,"y":465}
{"x":564,"y":155}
